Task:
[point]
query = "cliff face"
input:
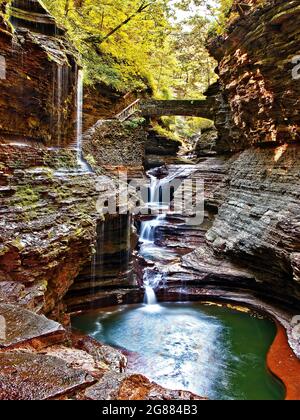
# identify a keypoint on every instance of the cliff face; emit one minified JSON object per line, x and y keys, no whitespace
{"x":258,"y":223}
{"x":102,"y":103}
{"x":256,"y":69}
{"x":47,"y":228}
{"x":50,"y":226}
{"x":111,"y":144}
{"x":38,"y":85}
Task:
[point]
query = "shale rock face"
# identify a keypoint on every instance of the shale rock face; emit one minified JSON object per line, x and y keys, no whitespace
{"x":160,"y":149}
{"x":112,"y":145}
{"x":103,"y":103}
{"x":36,"y":56}
{"x":259,"y":221}
{"x":257,"y":71}
{"x":49,"y":226}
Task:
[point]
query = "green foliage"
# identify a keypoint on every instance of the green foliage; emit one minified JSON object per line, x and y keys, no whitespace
{"x":139,"y":45}
{"x":166,"y":132}
{"x":182,"y":128}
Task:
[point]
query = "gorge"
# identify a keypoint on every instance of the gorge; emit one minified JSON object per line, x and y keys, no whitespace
{"x":150,"y":305}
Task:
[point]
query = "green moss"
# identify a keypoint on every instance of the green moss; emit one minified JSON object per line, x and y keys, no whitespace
{"x":27,"y":196}
{"x":90,"y":159}
{"x":3,"y":250}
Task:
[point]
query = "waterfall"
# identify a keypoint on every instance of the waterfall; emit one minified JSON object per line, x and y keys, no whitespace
{"x":84,"y":167}
{"x":154,"y":190}
{"x":148,"y":228}
{"x":152,"y":280}
{"x":150,"y":296}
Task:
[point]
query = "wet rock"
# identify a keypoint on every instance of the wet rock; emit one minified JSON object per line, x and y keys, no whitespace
{"x":258,"y":222}
{"x":114,"y":386}
{"x":207,"y":143}
{"x":295,"y":260}
{"x":37,"y":57}
{"x":209,"y":268}
{"x":23,"y":326}
{"x":48,"y":227}
{"x":105,"y":356}
{"x":27,"y":376}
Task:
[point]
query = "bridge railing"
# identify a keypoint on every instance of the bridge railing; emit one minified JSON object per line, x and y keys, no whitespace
{"x":129,"y":111}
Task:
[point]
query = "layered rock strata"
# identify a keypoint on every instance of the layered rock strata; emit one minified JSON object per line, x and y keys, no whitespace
{"x":48,"y":226}
{"x":160,"y":149}
{"x":258,"y":70}
{"x":116,"y":146}
{"x":38,"y":80}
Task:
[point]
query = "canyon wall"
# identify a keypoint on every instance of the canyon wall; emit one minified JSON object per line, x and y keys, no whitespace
{"x":114,"y":145}
{"x":258,"y":223}
{"x":38,"y":80}
{"x":50,"y":226}
{"x":102,"y":103}
{"x":256,"y":69}
{"x":52,"y":223}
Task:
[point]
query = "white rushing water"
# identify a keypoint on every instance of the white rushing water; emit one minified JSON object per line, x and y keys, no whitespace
{"x":152,"y":279}
{"x":148,"y":227}
{"x":83,"y":166}
{"x":150,"y":296}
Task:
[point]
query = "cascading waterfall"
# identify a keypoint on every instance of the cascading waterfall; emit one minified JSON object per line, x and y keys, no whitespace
{"x":152,"y":279}
{"x":80,"y":161}
{"x":148,"y":228}
{"x":150,"y":296}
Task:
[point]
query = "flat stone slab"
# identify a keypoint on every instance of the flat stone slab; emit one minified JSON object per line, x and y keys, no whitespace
{"x":18,"y":325}
{"x":29,"y":376}
{"x":116,"y":386}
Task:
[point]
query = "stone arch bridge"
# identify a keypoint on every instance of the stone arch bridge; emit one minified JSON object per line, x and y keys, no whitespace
{"x":163,"y":108}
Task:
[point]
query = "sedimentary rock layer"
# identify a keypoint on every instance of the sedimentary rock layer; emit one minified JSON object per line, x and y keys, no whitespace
{"x":38,"y":78}
{"x":112,"y":145}
{"x":48,"y":227}
{"x":257,"y":67}
{"x":258,"y":224}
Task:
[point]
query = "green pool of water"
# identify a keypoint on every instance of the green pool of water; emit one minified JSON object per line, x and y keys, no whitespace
{"x":212,"y":351}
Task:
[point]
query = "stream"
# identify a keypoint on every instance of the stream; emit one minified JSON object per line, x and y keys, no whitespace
{"x":211,"y":350}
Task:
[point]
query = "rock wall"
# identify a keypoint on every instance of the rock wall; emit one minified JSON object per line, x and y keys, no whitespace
{"x":48,"y":226}
{"x":230,"y":137}
{"x":255,"y":58}
{"x":257,"y":225}
{"x":114,"y":145}
{"x":108,"y":278}
{"x":103,"y":103}
{"x":39,"y":78}
{"x":160,"y":149}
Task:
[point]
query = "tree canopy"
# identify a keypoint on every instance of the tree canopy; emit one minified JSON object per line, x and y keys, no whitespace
{"x":142,"y":44}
